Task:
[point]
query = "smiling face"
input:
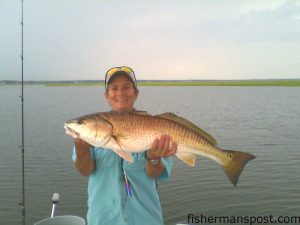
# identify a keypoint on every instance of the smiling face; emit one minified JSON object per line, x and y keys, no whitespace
{"x":121,"y":94}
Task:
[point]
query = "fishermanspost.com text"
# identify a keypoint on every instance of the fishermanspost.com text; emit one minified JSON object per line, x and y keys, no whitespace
{"x":249,"y":220}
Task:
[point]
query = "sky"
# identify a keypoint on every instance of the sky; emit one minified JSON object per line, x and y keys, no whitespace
{"x":158,"y":39}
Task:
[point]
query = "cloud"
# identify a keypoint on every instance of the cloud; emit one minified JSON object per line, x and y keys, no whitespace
{"x":262,"y":23}
{"x":195,"y":39}
{"x":272,"y":24}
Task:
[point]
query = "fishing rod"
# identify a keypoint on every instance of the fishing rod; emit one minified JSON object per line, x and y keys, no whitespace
{"x":22,"y":204}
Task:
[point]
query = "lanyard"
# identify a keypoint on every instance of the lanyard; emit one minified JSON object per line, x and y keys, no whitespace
{"x":126,"y":181}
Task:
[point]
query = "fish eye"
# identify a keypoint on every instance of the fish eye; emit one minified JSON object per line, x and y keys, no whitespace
{"x":80,"y":122}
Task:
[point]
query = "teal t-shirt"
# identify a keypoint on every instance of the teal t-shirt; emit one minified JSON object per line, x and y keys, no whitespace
{"x":108,"y":203}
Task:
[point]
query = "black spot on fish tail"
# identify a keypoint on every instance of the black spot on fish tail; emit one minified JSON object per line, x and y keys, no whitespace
{"x":235,"y":163}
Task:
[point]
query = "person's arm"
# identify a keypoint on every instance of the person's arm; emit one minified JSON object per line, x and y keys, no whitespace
{"x":162,"y":147}
{"x":83,"y":163}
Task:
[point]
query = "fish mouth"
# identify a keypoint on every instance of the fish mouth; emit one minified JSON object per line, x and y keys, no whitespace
{"x":71,"y":132}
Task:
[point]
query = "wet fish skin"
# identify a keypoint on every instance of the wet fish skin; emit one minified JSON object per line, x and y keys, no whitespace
{"x":126,"y":132}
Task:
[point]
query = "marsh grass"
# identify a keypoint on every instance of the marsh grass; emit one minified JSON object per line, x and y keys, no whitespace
{"x":197,"y":83}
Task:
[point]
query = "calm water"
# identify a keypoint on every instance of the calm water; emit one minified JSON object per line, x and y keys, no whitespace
{"x":262,"y":120}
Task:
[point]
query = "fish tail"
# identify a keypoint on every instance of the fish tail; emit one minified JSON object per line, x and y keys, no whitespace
{"x":234,"y":164}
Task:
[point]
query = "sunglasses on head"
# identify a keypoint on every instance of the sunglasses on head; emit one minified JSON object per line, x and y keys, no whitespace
{"x":125,"y":69}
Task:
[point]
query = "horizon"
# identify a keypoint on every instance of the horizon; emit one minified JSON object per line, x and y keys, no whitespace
{"x":154,"y":80}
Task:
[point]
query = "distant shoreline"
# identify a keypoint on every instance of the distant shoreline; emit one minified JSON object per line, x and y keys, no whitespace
{"x":287,"y":82}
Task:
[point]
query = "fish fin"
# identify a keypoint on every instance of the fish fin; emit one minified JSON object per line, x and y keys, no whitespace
{"x":235,"y":163}
{"x":125,"y":155}
{"x":117,"y":148}
{"x":188,"y":158}
{"x":189,"y":124}
{"x":139,"y":112}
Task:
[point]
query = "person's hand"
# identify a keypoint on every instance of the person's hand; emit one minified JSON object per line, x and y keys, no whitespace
{"x":81,"y":145}
{"x":84,"y":162}
{"x":162,"y":147}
